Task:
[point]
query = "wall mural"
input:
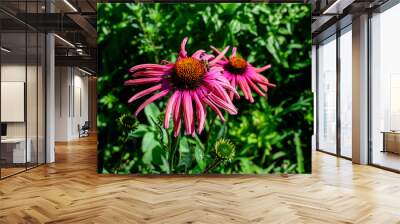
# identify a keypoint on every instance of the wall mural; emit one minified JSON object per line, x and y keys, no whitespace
{"x":204,"y":88}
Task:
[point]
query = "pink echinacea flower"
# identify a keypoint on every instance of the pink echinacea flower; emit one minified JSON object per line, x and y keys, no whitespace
{"x":241,"y":73}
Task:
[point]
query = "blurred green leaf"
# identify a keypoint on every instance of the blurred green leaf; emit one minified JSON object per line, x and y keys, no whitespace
{"x":152,"y":112}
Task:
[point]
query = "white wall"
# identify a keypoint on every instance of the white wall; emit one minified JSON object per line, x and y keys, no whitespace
{"x":314,"y":90}
{"x":33,"y":127}
{"x":71,"y":102}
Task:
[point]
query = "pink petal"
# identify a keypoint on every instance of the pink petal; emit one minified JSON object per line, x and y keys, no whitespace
{"x":264,"y":87}
{"x":254,"y":86}
{"x":199,"y":113}
{"x":223,"y":104}
{"x":182,"y":52}
{"x":149,"y":74}
{"x":144,"y":93}
{"x":216,"y":88}
{"x":141,"y":81}
{"x":228,"y":86}
{"x":233,"y":52}
{"x":217,"y":51}
{"x":187,"y":112}
{"x":177,"y":118}
{"x":247,"y":89}
{"x":151,"y":99}
{"x":242,"y":87}
{"x":214,"y":108}
{"x":233,"y":83}
{"x":261,"y":79}
{"x":149,"y":66}
{"x":197,"y":54}
{"x":207,"y":57}
{"x":177,"y":127}
{"x":221,"y":55}
{"x":169,"y":108}
{"x":263,"y":68}
{"x":217,"y":69}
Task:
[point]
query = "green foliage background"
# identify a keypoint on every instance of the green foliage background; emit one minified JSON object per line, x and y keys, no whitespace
{"x":271,"y":135}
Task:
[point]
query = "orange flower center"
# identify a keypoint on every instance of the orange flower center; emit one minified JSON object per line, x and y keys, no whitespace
{"x":237,"y":64}
{"x":189,"y":72}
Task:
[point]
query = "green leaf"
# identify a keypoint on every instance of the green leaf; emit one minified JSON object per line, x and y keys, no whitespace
{"x":199,"y":156}
{"x":185,"y":160}
{"x":184,"y":145}
{"x":157,"y":154}
{"x":165,"y":165}
{"x":278,"y":155}
{"x":299,"y":154}
{"x":148,"y":144}
{"x":139,"y":131}
{"x":185,"y":154}
{"x":152,"y":112}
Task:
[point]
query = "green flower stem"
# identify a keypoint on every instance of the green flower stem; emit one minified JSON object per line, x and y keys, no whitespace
{"x":213,"y":165}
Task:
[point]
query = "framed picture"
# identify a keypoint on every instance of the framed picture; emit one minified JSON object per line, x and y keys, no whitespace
{"x":204,"y":88}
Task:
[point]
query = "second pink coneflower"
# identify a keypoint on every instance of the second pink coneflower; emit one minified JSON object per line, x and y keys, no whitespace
{"x":241,"y":73}
{"x":194,"y":82}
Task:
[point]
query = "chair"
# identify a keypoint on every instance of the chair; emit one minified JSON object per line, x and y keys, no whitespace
{"x":84,"y":130}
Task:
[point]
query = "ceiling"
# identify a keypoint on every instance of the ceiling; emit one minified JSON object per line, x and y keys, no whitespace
{"x":330,"y":15}
{"x":74,"y":22}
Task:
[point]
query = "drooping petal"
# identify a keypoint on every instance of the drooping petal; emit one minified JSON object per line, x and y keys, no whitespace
{"x":142,"y":81}
{"x":242,"y":86}
{"x":177,"y":127}
{"x":144,"y":92}
{"x":199,"y":112}
{"x":221,"y":55}
{"x":262,"y":80}
{"x":169,"y":108}
{"x":228,"y":86}
{"x":245,"y":88}
{"x":182,"y":52}
{"x":177,"y":114}
{"x":263,"y":68}
{"x":233,"y":84}
{"x":187,"y":112}
{"x":151,"y":99}
{"x":223,"y":104}
{"x":216,"y":88}
{"x":263,"y":87}
{"x":214,"y":108}
{"x":254,"y":86}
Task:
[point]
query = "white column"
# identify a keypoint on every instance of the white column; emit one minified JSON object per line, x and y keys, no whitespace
{"x":50,"y":100}
{"x":360,"y":90}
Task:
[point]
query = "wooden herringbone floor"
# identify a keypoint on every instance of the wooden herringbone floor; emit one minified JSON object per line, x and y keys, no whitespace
{"x":70,"y":191}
